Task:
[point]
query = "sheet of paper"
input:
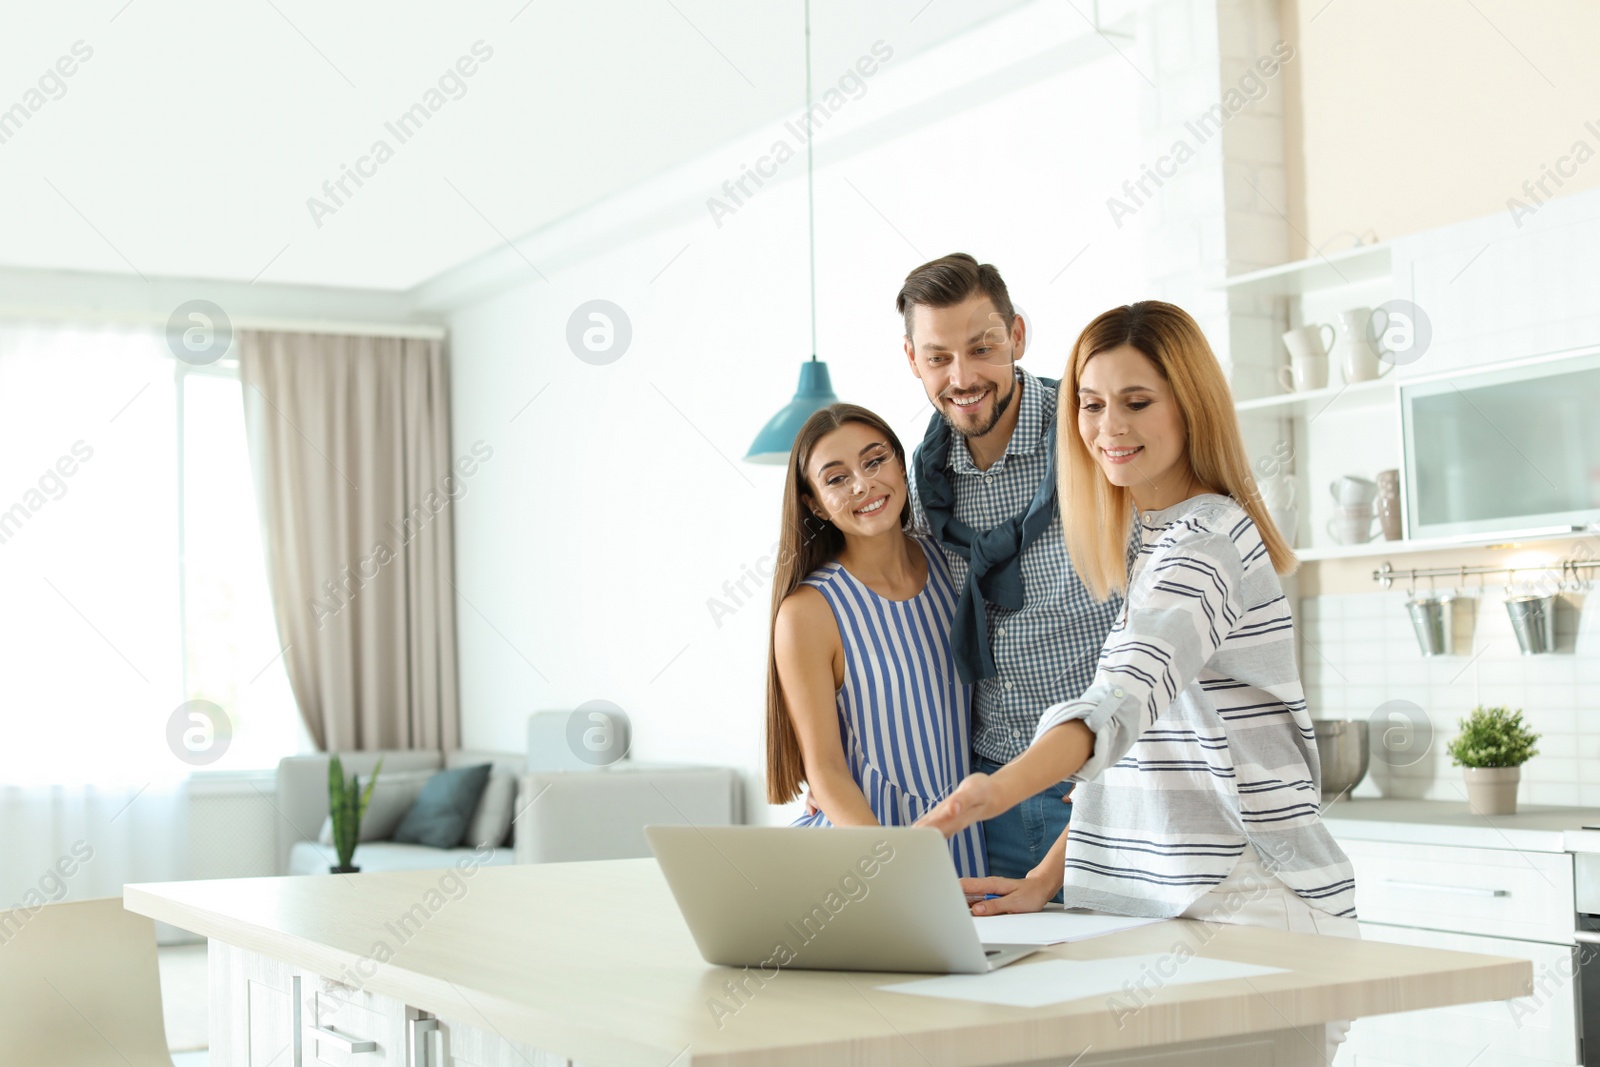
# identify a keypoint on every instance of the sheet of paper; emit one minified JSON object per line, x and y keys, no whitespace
{"x":1051,"y":927}
{"x":1033,"y":985}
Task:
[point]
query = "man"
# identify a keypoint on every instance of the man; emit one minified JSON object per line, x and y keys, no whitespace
{"x":1027,"y":633}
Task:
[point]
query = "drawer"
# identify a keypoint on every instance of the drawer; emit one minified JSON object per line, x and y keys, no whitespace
{"x":343,"y":1026}
{"x":463,"y":1045}
{"x":1538,"y":1029}
{"x":1488,"y":891}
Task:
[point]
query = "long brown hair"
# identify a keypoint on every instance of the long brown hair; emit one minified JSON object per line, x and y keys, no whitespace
{"x":1097,"y":516}
{"x":804,"y":544}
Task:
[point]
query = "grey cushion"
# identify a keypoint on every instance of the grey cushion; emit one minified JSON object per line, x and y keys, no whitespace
{"x":443,"y":810}
{"x":491,"y":822}
{"x":392,"y":797}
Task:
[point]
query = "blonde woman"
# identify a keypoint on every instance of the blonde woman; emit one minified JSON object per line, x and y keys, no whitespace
{"x":1198,"y":784}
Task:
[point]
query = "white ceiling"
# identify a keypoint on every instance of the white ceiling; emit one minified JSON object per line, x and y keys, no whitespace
{"x":190,"y":141}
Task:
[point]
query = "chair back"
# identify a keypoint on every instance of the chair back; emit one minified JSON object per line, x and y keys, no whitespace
{"x":79,"y":987}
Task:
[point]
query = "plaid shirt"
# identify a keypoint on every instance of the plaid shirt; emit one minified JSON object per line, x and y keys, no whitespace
{"x":1046,"y":651}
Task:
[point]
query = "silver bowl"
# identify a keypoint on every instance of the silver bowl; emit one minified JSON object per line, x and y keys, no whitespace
{"x":1342,"y":747}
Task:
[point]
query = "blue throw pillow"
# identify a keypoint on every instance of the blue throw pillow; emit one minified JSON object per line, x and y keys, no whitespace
{"x":444,"y":808}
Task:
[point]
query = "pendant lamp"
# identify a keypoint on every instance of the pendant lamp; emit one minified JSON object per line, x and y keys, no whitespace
{"x":776,"y":439}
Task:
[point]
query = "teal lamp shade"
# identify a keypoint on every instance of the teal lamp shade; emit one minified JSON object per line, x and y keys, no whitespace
{"x":776,"y":438}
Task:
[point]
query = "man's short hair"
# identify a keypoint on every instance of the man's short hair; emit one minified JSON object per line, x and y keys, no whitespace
{"x":947,"y":281}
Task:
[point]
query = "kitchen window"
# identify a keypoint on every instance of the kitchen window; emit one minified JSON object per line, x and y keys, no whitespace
{"x":131,"y":571}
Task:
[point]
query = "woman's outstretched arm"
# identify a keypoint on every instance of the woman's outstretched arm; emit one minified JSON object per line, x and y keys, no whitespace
{"x":805,"y":641}
{"x":1055,"y":756}
{"x":1189,"y":597}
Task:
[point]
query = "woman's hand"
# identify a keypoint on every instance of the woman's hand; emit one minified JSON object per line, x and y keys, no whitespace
{"x":1021,"y":894}
{"x":1011,"y":894}
{"x":969,"y":803}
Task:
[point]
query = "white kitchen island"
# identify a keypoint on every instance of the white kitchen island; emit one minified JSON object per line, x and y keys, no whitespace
{"x":591,"y":964}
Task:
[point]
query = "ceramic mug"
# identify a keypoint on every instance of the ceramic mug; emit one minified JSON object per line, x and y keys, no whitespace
{"x":1361,"y":361}
{"x":1350,"y":490}
{"x":1387,"y":504}
{"x":1304,"y":373}
{"x":1308,"y":357}
{"x":1352,"y":526}
{"x":1305,"y":342}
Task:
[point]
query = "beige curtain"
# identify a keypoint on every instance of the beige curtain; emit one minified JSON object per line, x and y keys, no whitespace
{"x":350,"y":441}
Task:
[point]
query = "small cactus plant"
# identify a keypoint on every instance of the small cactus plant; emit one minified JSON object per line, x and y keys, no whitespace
{"x":347,"y":803}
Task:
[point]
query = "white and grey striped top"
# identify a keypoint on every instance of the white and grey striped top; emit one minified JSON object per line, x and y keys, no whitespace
{"x":1202,"y":742}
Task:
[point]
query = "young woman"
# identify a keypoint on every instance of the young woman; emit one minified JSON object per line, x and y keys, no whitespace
{"x":1198,"y":784}
{"x":863,"y":702}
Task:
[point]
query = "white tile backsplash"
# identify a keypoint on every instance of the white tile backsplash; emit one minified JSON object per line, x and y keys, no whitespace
{"x":1357,"y":651}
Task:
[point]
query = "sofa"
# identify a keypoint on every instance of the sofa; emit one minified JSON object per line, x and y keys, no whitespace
{"x":302,"y":807}
{"x":557,"y":815}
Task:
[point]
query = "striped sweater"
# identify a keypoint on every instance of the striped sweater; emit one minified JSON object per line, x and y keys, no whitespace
{"x":1203,"y":746}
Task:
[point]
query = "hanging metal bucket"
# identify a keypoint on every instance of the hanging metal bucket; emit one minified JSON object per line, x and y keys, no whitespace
{"x":1533,"y":620}
{"x":1431,"y":618}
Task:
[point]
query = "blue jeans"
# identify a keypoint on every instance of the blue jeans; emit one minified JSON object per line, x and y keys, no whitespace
{"x":1018,"y":840}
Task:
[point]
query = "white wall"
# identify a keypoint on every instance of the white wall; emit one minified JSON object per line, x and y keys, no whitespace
{"x":616,"y":504}
{"x":1359,"y":654}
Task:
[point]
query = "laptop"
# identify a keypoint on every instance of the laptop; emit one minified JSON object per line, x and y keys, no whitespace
{"x":856,"y":898}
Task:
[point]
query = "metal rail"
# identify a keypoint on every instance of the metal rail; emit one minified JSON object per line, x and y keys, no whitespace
{"x":1568,"y":568}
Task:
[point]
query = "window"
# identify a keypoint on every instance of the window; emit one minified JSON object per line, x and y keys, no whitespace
{"x":131,"y":572}
{"x":231,"y":653}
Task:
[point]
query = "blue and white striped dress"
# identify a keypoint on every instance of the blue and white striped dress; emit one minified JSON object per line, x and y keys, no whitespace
{"x":904,"y":717}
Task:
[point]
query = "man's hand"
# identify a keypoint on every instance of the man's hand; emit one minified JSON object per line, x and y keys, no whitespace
{"x":1011,"y":894}
{"x":969,"y":803}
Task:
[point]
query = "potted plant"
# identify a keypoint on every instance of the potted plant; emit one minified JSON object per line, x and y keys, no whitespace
{"x":1492,"y":746}
{"x":347,"y":803}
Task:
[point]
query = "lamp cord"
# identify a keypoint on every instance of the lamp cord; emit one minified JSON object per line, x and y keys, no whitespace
{"x":811,"y":205}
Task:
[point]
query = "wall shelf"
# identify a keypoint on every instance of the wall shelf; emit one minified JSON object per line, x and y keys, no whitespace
{"x":1404,"y":546}
{"x":1360,"y":264}
{"x":1316,"y":401}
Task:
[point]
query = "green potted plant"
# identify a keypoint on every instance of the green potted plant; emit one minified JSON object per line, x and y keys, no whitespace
{"x":1492,"y":746}
{"x":347,"y":803}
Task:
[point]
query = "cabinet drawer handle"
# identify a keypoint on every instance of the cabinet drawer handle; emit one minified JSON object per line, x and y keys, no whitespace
{"x":1587,"y":938}
{"x":1465,"y":890}
{"x":345,"y":1043}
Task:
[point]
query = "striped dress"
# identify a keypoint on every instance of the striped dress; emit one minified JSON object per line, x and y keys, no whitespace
{"x":904,"y":717}
{"x":1203,"y":747}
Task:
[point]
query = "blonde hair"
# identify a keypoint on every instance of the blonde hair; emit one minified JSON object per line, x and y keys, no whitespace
{"x":1096,"y":516}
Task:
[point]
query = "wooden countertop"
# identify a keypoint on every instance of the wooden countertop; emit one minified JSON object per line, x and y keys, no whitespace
{"x":592,"y":961}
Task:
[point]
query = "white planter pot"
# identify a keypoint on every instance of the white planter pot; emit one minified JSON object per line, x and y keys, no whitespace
{"x":1492,"y":790}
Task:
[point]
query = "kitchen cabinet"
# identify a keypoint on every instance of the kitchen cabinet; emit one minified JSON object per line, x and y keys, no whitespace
{"x":1516,"y":900}
{"x":464,"y":1045}
{"x":1533,"y":1031}
{"x":1496,"y":892}
{"x":1517,"y":454}
{"x":255,"y":1008}
{"x":268,"y":1012}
